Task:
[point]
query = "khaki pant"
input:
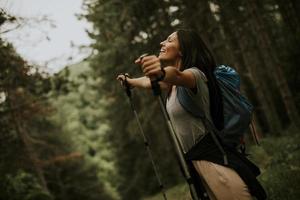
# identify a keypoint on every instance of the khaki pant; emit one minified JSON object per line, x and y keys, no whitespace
{"x":221,"y":183}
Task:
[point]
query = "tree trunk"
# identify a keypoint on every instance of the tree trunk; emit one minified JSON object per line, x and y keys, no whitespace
{"x":33,"y":158}
{"x":265,"y":109}
{"x":272,"y":63}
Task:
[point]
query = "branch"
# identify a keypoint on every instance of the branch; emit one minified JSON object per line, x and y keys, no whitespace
{"x":60,"y":159}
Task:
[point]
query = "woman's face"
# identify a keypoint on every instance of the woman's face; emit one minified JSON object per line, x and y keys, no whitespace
{"x":169,"y":51}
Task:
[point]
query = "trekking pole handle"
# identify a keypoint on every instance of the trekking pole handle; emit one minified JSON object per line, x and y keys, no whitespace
{"x":125,"y":84}
{"x":154,"y":80}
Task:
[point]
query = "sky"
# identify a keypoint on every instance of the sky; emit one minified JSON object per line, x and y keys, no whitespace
{"x":52,"y":43}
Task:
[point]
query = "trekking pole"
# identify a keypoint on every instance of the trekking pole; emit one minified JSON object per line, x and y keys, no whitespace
{"x":147,"y":145}
{"x":179,"y":150}
{"x":254,"y":132}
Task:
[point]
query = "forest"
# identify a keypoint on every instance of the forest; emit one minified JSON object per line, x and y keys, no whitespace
{"x":72,"y":135}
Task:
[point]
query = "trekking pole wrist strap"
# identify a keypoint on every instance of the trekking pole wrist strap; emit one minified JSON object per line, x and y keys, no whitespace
{"x":155,"y":83}
{"x":162,"y":77}
{"x":155,"y":87}
{"x":127,"y":86}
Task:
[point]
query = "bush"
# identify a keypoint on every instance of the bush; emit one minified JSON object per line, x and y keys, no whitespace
{"x":23,"y":186}
{"x":279,"y":160}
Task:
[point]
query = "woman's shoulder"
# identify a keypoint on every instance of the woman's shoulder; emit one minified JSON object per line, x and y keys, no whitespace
{"x":201,"y":89}
{"x":198,"y":74}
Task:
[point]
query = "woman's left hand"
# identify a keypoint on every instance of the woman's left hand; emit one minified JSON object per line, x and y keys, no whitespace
{"x":151,"y":66}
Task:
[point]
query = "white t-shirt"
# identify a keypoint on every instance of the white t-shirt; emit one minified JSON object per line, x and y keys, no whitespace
{"x":189,"y":128}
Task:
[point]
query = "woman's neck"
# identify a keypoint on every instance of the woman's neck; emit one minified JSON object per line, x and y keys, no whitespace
{"x":174,"y":63}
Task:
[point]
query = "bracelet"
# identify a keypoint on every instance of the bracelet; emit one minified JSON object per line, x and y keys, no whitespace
{"x":162,"y":77}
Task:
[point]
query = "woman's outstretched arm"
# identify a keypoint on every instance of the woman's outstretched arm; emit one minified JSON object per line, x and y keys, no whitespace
{"x":141,"y":82}
{"x":173,"y":76}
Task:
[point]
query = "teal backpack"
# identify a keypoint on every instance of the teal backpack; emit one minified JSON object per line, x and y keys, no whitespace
{"x":237,"y":109}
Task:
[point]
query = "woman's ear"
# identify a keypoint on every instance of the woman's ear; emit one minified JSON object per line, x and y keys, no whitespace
{"x":180,"y":54}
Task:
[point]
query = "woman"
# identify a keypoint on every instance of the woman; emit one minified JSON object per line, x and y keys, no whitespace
{"x":184,"y":60}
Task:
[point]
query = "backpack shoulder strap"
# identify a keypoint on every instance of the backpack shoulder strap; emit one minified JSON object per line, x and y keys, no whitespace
{"x":187,"y":102}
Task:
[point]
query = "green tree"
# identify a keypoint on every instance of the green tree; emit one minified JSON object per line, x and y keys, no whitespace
{"x":38,"y":160}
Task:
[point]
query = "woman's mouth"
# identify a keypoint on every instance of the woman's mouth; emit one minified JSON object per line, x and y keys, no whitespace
{"x":162,"y":51}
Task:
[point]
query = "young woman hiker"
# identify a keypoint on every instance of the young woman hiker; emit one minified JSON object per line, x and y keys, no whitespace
{"x":184,"y":60}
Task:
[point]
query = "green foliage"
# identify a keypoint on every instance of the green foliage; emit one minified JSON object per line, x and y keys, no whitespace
{"x":81,"y":116}
{"x":178,"y":192}
{"x":280,"y":161}
{"x":76,"y":179}
{"x":42,"y":158}
{"x":23,"y":186}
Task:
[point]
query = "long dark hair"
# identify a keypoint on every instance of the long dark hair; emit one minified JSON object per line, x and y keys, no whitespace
{"x":196,"y":54}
